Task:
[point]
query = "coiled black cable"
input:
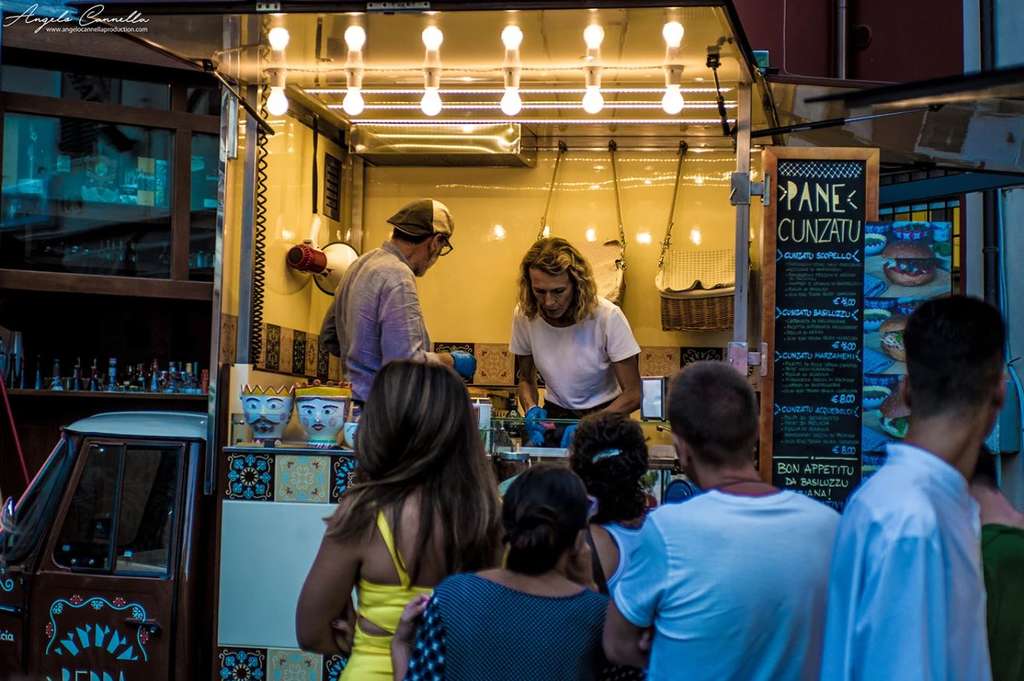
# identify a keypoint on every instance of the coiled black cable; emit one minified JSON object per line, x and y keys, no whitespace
{"x":259,"y":240}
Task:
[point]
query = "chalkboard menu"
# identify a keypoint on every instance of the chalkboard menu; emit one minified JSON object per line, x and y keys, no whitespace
{"x":813,"y":321}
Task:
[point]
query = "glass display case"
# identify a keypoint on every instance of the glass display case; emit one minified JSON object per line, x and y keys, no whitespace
{"x":86,"y":197}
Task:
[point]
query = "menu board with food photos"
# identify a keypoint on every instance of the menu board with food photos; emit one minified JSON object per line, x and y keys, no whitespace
{"x":905,"y":264}
{"x":814,"y":292}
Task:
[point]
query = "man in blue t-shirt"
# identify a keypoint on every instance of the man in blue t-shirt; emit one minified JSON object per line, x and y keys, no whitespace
{"x":733,"y":582}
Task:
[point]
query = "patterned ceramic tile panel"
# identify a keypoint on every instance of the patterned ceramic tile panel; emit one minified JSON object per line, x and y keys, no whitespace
{"x":312,"y":353}
{"x":285,"y":353}
{"x":293,"y":665}
{"x":333,"y":368}
{"x":323,"y":364}
{"x":302,"y":478}
{"x":272,"y":347}
{"x":495,"y":365}
{"x":299,"y":353}
{"x":228,"y":338}
{"x":334,"y":665}
{"x":659,"y":361}
{"x":250,"y":477}
{"x":343,"y":471}
{"x":689,"y":355}
{"x":242,"y":664}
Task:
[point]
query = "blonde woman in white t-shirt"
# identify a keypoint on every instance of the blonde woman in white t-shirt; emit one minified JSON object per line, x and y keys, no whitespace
{"x":579,"y":342}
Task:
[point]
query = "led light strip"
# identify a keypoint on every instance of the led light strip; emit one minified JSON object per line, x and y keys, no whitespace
{"x":542,"y":105}
{"x":391,"y":122}
{"x":523,"y":91}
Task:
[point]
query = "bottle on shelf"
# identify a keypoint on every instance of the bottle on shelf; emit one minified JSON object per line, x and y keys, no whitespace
{"x":3,"y":361}
{"x":140,"y":378}
{"x":76,"y":375}
{"x":38,"y":385}
{"x":94,"y":377}
{"x":56,"y":382}
{"x":173,"y":378}
{"x":17,"y":363}
{"x":154,"y":377}
{"x":112,"y":375}
{"x":204,"y":382}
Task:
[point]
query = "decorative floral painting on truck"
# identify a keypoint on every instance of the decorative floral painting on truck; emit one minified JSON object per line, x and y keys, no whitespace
{"x":96,"y":638}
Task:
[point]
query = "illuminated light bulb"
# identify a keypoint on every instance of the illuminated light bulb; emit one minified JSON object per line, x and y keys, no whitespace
{"x":695,"y":237}
{"x":499,"y":232}
{"x":699,"y":180}
{"x":511,"y":102}
{"x":353,"y":103}
{"x":672,"y":101}
{"x":643,"y":238}
{"x":277,"y":102}
{"x":591,"y":234}
{"x":512,"y":37}
{"x":593,"y":102}
{"x":278,"y":38}
{"x":593,"y":36}
{"x":672,"y":32}
{"x":432,"y":38}
{"x":355,"y":38}
{"x":430,"y":104}
{"x":647,"y":182}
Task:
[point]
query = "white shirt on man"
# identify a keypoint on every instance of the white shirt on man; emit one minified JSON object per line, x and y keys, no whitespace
{"x":576,"y":361}
{"x":907,"y":596}
{"x":733,"y":585}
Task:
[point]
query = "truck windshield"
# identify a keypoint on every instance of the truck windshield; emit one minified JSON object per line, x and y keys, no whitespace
{"x":26,"y":527}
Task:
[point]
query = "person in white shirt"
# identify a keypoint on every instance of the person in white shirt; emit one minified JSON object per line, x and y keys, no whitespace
{"x":733,"y":581}
{"x":579,"y":342}
{"x":907,"y":599}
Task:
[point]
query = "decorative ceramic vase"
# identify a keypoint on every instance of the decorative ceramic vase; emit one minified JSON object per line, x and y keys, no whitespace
{"x":322,"y":411}
{"x":267,"y":410}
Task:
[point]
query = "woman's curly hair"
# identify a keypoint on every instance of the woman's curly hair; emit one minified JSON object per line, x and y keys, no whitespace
{"x":610,"y":455}
{"x":555,"y":256}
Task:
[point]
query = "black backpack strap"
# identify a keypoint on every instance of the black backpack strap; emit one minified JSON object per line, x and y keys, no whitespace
{"x":599,"y":578}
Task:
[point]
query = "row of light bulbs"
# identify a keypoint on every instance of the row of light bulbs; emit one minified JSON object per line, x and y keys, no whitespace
{"x":511,"y":101}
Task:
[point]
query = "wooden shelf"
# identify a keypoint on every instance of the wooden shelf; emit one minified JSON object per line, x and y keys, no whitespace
{"x":89,"y":394}
{"x":63,"y":282}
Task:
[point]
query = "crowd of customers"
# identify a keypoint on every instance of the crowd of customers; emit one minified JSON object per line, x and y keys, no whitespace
{"x":570,"y":577}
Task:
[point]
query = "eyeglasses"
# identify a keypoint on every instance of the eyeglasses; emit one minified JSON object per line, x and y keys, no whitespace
{"x":446,"y":247}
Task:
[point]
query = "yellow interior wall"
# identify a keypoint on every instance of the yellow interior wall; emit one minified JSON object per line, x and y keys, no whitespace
{"x":469,"y":295}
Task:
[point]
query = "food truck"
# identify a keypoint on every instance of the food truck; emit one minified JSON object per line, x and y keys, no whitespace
{"x":168,"y":545}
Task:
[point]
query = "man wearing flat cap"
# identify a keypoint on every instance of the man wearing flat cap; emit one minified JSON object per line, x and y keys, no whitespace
{"x":376,"y":316}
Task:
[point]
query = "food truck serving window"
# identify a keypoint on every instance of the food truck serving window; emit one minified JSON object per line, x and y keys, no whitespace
{"x":121,"y":517}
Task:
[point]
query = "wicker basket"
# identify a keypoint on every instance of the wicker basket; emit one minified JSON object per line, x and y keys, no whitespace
{"x":699,"y":310}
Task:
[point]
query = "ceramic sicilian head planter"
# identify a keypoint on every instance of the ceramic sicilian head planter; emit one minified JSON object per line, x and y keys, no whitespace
{"x":267,"y":410}
{"x":322,"y":410}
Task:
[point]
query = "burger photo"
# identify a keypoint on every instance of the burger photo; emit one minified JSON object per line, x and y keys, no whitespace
{"x":873,"y":396}
{"x":909,"y":263}
{"x":891,"y":338}
{"x":874,"y":318}
{"x":895,"y":416}
{"x":874,"y":243}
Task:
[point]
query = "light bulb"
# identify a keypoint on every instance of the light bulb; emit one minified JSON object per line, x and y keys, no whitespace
{"x":353,"y":103}
{"x":591,"y":234}
{"x":593,"y":102}
{"x":593,"y":35}
{"x":512,"y":37}
{"x":511,"y":102}
{"x":430,"y":104}
{"x":278,"y":38}
{"x":277,"y":102}
{"x":355,"y":38}
{"x":672,"y":102}
{"x":672,"y":32}
{"x":695,"y":237}
{"x":432,"y":38}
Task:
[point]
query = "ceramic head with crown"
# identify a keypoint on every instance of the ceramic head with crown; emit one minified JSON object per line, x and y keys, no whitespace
{"x":267,"y":410}
{"x":322,"y":411}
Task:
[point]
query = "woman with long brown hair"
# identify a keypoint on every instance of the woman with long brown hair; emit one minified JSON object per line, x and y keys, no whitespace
{"x":579,"y":342}
{"x":424,"y":506}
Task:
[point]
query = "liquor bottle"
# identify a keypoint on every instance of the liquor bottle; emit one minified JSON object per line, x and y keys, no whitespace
{"x":173,"y":379}
{"x":17,"y":362}
{"x":3,"y":361}
{"x":204,"y":382}
{"x":39,"y":373}
{"x":112,"y":375}
{"x":76,"y":376}
{"x":94,"y":377}
{"x":188,"y":380}
{"x":56,"y":382}
{"x":140,"y":377}
{"x":154,"y":377}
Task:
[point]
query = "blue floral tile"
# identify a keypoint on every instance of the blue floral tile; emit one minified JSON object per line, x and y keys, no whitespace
{"x":250,"y":477}
{"x":302,"y":478}
{"x":242,"y":664}
{"x":333,"y":667}
{"x":293,"y":665}
{"x":344,"y":469}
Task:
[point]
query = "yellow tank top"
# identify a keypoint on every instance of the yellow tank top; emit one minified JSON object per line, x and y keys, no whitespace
{"x":381,"y":604}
